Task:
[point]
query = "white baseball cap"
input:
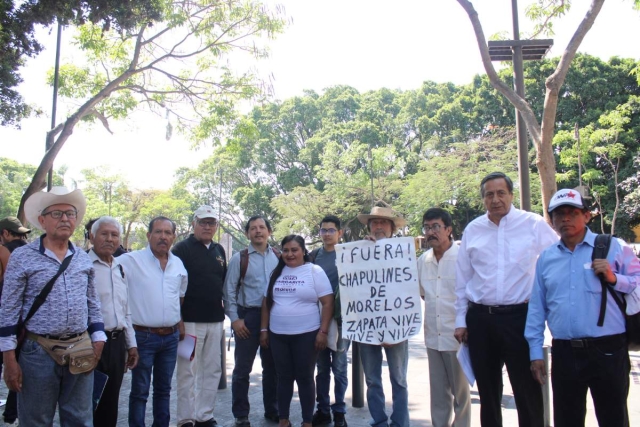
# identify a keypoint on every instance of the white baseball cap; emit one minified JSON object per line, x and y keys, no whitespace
{"x":205,"y":211}
{"x":567,"y":197}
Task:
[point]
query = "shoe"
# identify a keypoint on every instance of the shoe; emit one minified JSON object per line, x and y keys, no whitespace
{"x":320,"y":419}
{"x":243,"y":422}
{"x":338,"y":420}
{"x":187,"y":424}
{"x":272,"y":417}
{"x":209,"y":423}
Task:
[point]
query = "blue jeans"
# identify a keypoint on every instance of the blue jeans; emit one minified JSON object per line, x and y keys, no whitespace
{"x":45,"y":385}
{"x":158,"y":353}
{"x":245,"y":354}
{"x":397,"y":359}
{"x":336,"y":361}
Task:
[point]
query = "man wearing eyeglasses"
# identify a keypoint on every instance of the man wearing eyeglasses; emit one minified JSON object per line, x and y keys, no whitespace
{"x":203,"y":316}
{"x":70,"y":313}
{"x":328,"y":360}
{"x":449,"y":388}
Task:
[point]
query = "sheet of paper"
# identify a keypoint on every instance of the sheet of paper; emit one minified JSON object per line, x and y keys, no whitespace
{"x":187,"y":347}
{"x":465,"y":364}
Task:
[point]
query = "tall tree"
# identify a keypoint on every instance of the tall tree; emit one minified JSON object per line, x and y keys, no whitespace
{"x":18,"y":24}
{"x":541,"y":132}
{"x":174,"y":66}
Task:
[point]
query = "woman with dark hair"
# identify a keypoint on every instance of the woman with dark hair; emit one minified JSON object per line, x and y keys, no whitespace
{"x":294,"y":327}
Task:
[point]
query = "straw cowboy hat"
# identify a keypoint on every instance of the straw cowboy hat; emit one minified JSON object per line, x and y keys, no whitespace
{"x":382,"y":213}
{"x":41,"y":200}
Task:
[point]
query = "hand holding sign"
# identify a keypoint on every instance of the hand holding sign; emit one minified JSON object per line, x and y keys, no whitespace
{"x":379,"y":290}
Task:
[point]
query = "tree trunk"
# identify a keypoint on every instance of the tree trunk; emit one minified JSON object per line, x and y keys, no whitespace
{"x":542,"y":135}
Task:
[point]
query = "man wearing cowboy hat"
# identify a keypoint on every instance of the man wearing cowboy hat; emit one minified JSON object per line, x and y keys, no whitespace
{"x":71,"y":310}
{"x":494,"y":276}
{"x":382,"y":223}
{"x":567,"y":294}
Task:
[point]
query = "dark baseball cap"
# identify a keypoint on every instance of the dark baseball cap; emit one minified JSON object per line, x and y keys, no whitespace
{"x":12,"y":223}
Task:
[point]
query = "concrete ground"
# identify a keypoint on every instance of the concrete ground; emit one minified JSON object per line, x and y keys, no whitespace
{"x":418,"y":379}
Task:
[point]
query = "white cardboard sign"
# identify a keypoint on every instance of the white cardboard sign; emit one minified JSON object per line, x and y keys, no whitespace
{"x":379,"y":290}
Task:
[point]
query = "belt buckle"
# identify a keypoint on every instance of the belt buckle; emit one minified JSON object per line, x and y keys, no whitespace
{"x":491,"y":308}
{"x":578,"y":343}
{"x":113,"y":334}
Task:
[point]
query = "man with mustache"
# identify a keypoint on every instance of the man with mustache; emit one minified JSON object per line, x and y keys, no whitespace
{"x":244,"y":288}
{"x":494,"y":277}
{"x":69,"y":315}
{"x":157,"y":281}
{"x":120,"y":351}
{"x":450,"y":403}
{"x":382,"y":223}
{"x":567,"y":293}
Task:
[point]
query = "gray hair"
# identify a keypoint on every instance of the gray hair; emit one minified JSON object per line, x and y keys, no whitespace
{"x":105,"y":220}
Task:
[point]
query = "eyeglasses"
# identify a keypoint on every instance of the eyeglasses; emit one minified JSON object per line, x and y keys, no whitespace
{"x":329,"y":231}
{"x":71,"y":214}
{"x":203,"y":223}
{"x":435,"y":228}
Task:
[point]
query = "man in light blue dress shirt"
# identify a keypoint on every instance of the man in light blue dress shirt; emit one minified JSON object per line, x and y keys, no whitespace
{"x":242,"y":303}
{"x":567,"y":295}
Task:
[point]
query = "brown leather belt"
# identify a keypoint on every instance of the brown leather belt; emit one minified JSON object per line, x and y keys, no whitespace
{"x":164,"y":330}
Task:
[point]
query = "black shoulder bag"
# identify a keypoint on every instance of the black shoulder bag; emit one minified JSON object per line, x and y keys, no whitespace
{"x":600,"y":251}
{"x":37,"y":303}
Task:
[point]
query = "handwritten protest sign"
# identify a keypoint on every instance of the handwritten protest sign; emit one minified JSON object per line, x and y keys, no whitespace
{"x":379,"y":290}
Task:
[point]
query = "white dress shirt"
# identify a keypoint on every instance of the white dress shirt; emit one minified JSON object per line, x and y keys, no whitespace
{"x":154,"y":294}
{"x":438,"y":286}
{"x":111,"y":284}
{"x":496,"y":263}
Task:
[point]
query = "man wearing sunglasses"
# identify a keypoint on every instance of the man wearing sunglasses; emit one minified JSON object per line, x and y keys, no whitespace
{"x":329,"y":360}
{"x":203,"y":316}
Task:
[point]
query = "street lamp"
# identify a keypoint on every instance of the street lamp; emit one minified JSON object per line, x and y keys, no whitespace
{"x":518,"y":50}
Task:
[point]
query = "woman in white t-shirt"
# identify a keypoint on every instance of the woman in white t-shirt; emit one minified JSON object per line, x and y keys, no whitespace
{"x":294,"y":327}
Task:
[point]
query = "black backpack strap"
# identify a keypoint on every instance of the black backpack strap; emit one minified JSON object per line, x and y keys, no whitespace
{"x":42,"y":296}
{"x":313,"y":254}
{"x":276,"y":251}
{"x":244,"y":265}
{"x":600,"y":251}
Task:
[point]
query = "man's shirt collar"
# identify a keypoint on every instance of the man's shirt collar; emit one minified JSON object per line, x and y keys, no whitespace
{"x":42,"y":248}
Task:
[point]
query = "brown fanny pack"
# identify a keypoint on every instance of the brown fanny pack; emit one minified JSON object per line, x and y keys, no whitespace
{"x":75,"y":352}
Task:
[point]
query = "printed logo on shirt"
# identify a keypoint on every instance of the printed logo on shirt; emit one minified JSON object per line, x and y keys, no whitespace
{"x":287,"y":284}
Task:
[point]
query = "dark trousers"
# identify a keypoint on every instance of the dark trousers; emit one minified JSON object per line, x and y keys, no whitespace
{"x":497,"y":339}
{"x":112,"y":362}
{"x":295,"y":357}
{"x":601,"y":365}
{"x":245,"y":354}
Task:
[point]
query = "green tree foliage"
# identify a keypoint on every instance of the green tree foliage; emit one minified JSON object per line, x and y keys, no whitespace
{"x":299,"y":159}
{"x":607,"y":151}
{"x":18,"y":24}
{"x":14,"y":178}
{"x":176,"y":67}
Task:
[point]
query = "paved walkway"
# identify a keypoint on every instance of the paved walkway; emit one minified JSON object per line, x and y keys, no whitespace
{"x":418,"y":379}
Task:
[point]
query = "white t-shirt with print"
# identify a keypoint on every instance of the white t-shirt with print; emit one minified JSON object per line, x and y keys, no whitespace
{"x":295,"y":299}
